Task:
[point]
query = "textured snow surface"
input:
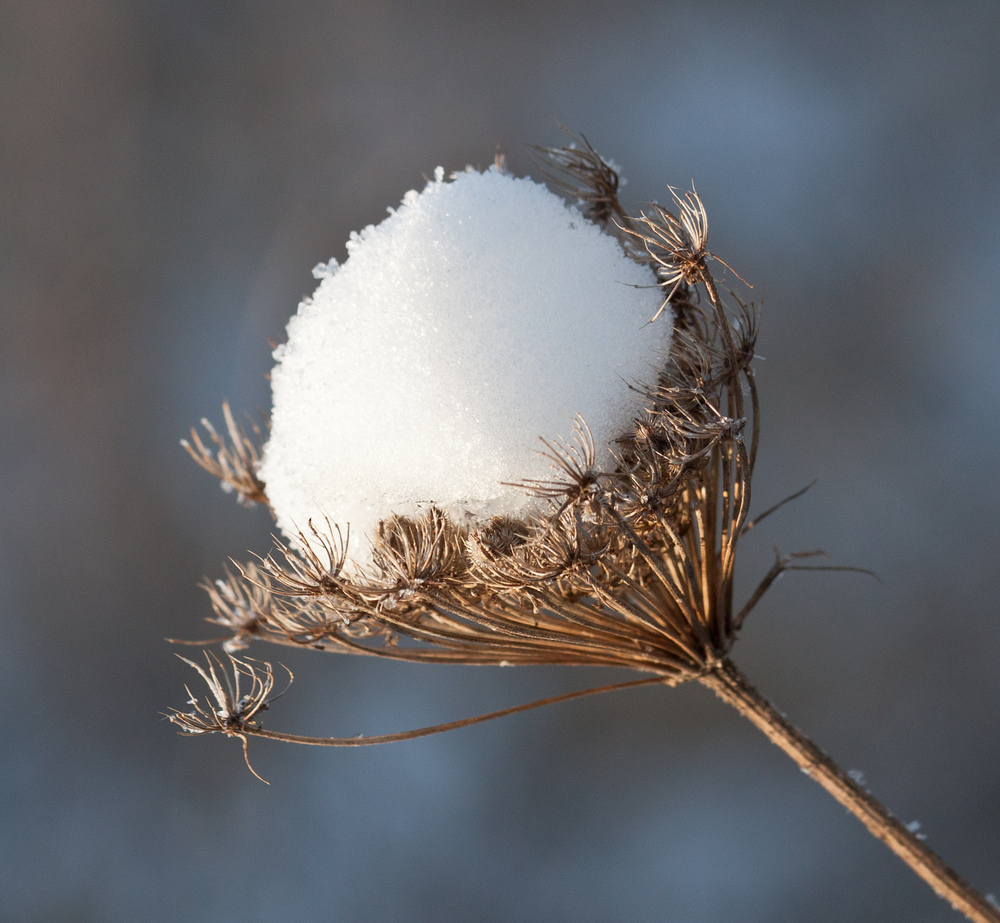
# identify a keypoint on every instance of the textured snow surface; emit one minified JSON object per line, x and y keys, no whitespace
{"x":483,"y":313}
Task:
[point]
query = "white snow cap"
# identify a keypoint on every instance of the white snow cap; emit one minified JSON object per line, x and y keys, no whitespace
{"x":482,"y":314}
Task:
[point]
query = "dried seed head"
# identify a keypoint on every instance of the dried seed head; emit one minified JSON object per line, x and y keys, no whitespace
{"x":587,"y":176}
{"x":313,"y":569}
{"x":234,"y":463}
{"x":676,"y":245}
{"x":495,"y":540}
{"x":619,"y":557}
{"x":574,"y":462}
{"x":234,"y":712}
{"x":412,"y":556}
{"x":241,"y":605}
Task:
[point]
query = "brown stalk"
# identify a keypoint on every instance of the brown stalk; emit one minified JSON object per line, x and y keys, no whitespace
{"x":730,"y":686}
{"x":376,"y":739}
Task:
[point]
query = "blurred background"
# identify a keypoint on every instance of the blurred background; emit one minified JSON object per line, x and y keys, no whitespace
{"x":171,"y":173}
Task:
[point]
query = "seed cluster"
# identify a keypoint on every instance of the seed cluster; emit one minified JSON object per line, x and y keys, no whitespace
{"x":627,"y":564}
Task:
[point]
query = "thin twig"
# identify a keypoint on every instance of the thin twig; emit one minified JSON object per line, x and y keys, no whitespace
{"x":777,"y":506}
{"x":361,"y":741}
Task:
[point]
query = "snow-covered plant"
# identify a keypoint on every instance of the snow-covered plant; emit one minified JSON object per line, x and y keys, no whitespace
{"x":423,"y":519}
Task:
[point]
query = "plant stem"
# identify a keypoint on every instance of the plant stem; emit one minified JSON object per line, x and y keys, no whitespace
{"x":255,"y":730}
{"x":729,"y":685}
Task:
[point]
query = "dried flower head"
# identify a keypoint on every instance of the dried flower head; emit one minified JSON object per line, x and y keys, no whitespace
{"x":233,"y":463}
{"x":581,"y":172}
{"x":676,"y":245}
{"x":622,"y":555}
{"x":234,"y":711}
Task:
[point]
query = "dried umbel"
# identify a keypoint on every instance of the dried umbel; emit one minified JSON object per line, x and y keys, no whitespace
{"x":626,"y":562}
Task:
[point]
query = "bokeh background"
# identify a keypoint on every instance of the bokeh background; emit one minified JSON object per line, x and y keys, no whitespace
{"x":171,"y":171}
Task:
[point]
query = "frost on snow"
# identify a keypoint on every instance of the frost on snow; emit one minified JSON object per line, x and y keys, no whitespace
{"x":482,"y":314}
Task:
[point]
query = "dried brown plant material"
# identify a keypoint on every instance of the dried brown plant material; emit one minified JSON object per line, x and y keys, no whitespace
{"x":231,"y":712}
{"x":234,"y":462}
{"x":581,"y":172}
{"x":629,"y":564}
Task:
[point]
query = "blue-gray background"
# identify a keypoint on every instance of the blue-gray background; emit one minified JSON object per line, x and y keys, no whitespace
{"x":170,"y":173}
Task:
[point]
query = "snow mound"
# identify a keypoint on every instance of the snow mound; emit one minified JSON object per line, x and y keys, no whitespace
{"x":482,"y":314}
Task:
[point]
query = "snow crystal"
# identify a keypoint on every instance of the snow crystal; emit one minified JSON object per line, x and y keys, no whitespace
{"x":482,"y":314}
